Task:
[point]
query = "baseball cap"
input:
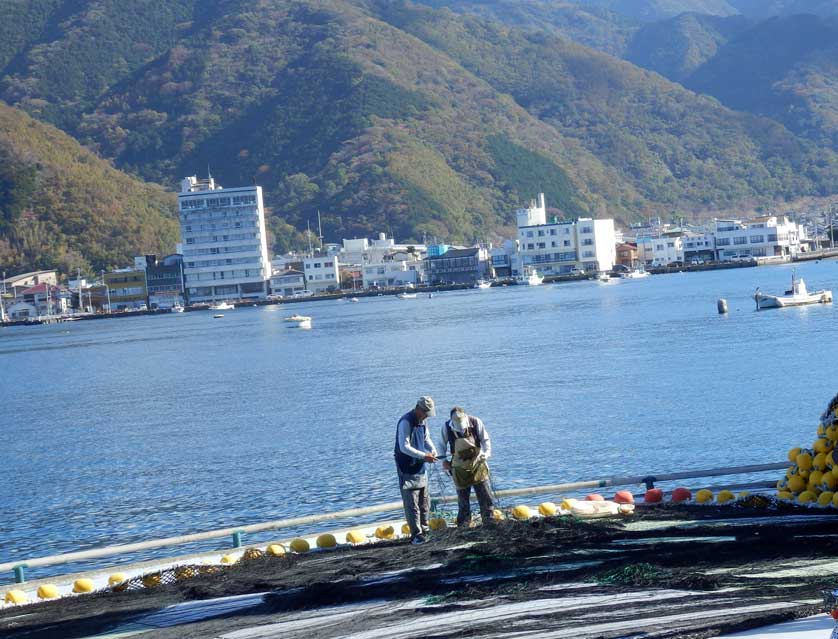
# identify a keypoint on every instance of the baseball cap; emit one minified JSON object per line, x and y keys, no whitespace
{"x":426,"y":403}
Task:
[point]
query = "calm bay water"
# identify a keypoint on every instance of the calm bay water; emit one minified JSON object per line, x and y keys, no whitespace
{"x":140,"y":428}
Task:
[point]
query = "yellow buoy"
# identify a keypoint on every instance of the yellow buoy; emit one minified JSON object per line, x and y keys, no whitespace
{"x":820,"y":445}
{"x":521,"y":512}
{"x":326,"y":540}
{"x":704,"y":496}
{"x":385,"y":532}
{"x":230,"y":559}
{"x":438,"y":523}
{"x":116,"y":578}
{"x":797,"y":484}
{"x":724,"y":496}
{"x":819,"y":462}
{"x":300,"y":545}
{"x":276,"y":550}
{"x":497,"y":514}
{"x":784,"y":495}
{"x":405,"y":530}
{"x":835,"y":499}
{"x":47,"y":591}
{"x":829,"y":482}
{"x":742,"y":494}
{"x":16,"y":597}
{"x":252,"y":553}
{"x":184,"y":572}
{"x":832,"y":432}
{"x":547,"y":508}
{"x":152,"y":580}
{"x":793,"y":453}
{"x":83,"y":585}
{"x":804,"y":461}
{"x":815,"y":478}
{"x":825,"y":498}
{"x":806,"y":497}
{"x":355,"y":537}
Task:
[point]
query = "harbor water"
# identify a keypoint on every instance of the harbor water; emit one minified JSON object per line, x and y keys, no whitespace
{"x":122,"y":430}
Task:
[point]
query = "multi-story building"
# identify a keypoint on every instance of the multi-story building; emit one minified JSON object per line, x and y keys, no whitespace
{"x":771,"y":236}
{"x":322,"y":273}
{"x":561,"y":247}
{"x":699,"y":246}
{"x":627,"y":254}
{"x":288,"y":283}
{"x":457,"y":266}
{"x":126,"y":289}
{"x":661,"y":250}
{"x":164,"y":279}
{"x":225,"y":250}
{"x":400,"y":270}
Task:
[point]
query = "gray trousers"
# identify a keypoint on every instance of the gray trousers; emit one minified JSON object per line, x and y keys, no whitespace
{"x":417,"y":501}
{"x":483,"y":490}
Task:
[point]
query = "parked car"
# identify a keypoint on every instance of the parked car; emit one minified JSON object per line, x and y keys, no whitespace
{"x":696,"y":261}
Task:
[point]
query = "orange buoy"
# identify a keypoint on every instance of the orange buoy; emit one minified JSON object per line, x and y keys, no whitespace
{"x":653,"y":496}
{"x":594,"y":497}
{"x":624,"y":497}
{"x":681,"y":494}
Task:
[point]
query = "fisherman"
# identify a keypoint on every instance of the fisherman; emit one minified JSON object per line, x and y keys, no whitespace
{"x":470,"y":446}
{"x":413,"y":449}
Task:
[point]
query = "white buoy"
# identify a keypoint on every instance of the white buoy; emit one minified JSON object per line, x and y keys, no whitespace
{"x":722,"y":306}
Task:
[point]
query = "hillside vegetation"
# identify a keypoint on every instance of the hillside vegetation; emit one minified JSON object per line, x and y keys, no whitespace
{"x":61,"y":206}
{"x":399,"y":117}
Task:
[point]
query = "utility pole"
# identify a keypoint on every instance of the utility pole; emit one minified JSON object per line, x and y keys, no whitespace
{"x":319,"y":229}
{"x":308,"y":235}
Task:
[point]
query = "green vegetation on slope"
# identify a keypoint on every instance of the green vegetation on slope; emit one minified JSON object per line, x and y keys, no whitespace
{"x":61,"y":206}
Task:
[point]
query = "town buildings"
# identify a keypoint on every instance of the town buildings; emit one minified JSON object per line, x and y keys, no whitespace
{"x":288,"y":283}
{"x":771,"y":236}
{"x":164,"y":280}
{"x":225,"y":248}
{"x":457,"y":266}
{"x":555,"y":248}
{"x":662,"y":249}
{"x":126,"y":289}
{"x":322,"y":273}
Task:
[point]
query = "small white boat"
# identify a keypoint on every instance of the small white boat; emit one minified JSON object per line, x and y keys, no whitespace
{"x":222,"y":306}
{"x":177,"y":309}
{"x":483,"y":284}
{"x":406,"y":296}
{"x":797,"y":296}
{"x":604,"y":277}
{"x":218,"y":316}
{"x":354,"y":299}
{"x":301,"y":321}
{"x":635,"y":274}
{"x":531,"y":278}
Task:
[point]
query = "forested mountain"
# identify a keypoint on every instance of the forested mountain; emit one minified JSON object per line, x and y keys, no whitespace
{"x":396,"y":117}
{"x":62,"y":207}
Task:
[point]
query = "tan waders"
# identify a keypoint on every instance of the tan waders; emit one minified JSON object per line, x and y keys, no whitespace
{"x":469,"y":469}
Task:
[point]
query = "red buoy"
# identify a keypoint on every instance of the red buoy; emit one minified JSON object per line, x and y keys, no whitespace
{"x":681,"y":494}
{"x":653,"y":496}
{"x":594,"y":497}
{"x":624,"y":497}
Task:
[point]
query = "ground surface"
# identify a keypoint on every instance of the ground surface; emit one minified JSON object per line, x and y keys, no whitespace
{"x":667,"y":572}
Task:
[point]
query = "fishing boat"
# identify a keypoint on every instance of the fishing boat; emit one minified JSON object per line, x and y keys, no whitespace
{"x":604,"y":277}
{"x":530,"y":278}
{"x":484,"y":284}
{"x":222,"y":306}
{"x":300,"y":321}
{"x":798,"y":295}
{"x":177,"y":309}
{"x":354,"y":299}
{"x":406,"y":296}
{"x":635,"y":274}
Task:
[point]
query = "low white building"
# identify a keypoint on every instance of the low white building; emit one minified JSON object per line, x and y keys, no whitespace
{"x":288,"y":283}
{"x":771,"y":236}
{"x":560,"y":247}
{"x":359,"y":251}
{"x":322,"y":273}
{"x":699,"y":246}
{"x":393,"y":272}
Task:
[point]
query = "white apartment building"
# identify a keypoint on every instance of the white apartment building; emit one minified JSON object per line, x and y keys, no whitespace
{"x":661,"y":250}
{"x":225,"y":252}
{"x":363,"y":251}
{"x":771,"y":236}
{"x":322,"y":273}
{"x":699,"y":246}
{"x":559,"y":247}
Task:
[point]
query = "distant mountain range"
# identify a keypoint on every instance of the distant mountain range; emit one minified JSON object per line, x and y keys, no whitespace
{"x":435,"y":119}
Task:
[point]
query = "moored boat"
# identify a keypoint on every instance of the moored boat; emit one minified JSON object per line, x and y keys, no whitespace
{"x":222,"y":306}
{"x":301,"y":321}
{"x":635,"y":274}
{"x":798,"y":295}
{"x":530,"y":278}
{"x":406,"y":296}
{"x":484,"y":284}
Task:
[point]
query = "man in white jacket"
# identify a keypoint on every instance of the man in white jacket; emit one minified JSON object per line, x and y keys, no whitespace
{"x":468,"y":441}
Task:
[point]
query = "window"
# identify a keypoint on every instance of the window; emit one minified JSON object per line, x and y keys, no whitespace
{"x":566,"y":243}
{"x":757,"y":239}
{"x":529,"y":233}
{"x":671,"y":244}
{"x":587,"y":242}
{"x":541,"y":233}
{"x":588,"y":254}
{"x":552,"y":245}
{"x":723,"y":241}
{"x":772,"y":238}
{"x":530,"y":247}
{"x":552,"y":231}
{"x":587,"y":229}
{"x":740,"y":239}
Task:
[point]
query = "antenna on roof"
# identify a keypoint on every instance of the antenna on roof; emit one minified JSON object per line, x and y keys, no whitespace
{"x":209,"y":173}
{"x":319,"y":229}
{"x":308,"y":234}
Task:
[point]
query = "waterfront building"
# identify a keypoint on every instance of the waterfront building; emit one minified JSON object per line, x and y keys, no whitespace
{"x":360,"y":251}
{"x":458,"y":266}
{"x":774,"y":237}
{"x":627,"y":254}
{"x":16,"y":284}
{"x":662,"y":249}
{"x":553,"y":247}
{"x":225,"y":248}
{"x":501,"y":258}
{"x":399,"y":269}
{"x":44,"y":299}
{"x":322,"y":273}
{"x":126,"y":289}
{"x":164,"y":279}
{"x":699,"y":246}
{"x":288,"y":283}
